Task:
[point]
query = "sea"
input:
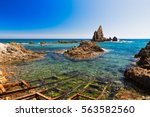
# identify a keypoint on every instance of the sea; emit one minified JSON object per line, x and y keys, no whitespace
{"x":111,"y":65}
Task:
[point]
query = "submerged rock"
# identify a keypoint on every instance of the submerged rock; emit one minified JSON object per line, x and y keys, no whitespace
{"x":86,"y":50}
{"x":141,"y":73}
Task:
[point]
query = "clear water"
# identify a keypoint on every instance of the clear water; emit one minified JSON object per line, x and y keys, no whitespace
{"x":111,"y":65}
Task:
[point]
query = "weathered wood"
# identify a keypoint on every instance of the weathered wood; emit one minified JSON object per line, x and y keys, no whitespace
{"x":2,"y":88}
{"x":18,"y":90}
{"x":102,"y":93}
{"x":43,"y":96}
{"x":74,"y":96}
{"x":87,"y":97}
{"x":12,"y":84}
{"x":32,"y":95}
{"x":25,"y":83}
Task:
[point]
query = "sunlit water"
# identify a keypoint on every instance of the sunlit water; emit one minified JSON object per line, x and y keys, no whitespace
{"x":110,"y":65}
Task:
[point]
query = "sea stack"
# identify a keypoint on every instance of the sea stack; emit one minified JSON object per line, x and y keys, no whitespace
{"x":98,"y":35}
{"x":140,"y":74}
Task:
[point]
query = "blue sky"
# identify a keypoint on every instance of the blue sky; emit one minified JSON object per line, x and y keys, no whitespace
{"x":74,"y":18}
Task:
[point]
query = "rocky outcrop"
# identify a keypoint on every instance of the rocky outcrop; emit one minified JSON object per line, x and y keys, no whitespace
{"x":13,"y":52}
{"x":86,"y":50}
{"x":115,"y":39}
{"x":140,"y":74}
{"x":98,"y":35}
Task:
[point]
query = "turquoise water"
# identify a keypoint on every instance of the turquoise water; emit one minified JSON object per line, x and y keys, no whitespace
{"x":111,"y":65}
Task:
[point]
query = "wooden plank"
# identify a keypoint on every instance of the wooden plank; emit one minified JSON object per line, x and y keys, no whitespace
{"x":12,"y":84}
{"x":25,"y":83}
{"x":102,"y":93}
{"x":87,"y":97}
{"x":74,"y":96}
{"x":43,"y":96}
{"x":31,"y":95}
{"x":2,"y":88}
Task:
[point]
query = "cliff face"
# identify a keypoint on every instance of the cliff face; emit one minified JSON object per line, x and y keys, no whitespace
{"x":98,"y":35}
{"x":140,"y":74}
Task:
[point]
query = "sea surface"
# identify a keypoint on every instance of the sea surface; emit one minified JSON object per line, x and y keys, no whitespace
{"x":119,"y":56}
{"x":111,"y":65}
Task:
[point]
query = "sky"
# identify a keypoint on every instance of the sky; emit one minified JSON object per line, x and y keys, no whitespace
{"x":74,"y":18}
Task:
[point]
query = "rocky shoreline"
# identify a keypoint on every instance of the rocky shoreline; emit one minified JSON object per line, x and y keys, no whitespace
{"x":140,"y":74}
{"x":13,"y":52}
{"x":86,"y":50}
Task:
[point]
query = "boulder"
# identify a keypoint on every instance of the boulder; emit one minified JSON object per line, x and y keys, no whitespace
{"x":139,"y":76}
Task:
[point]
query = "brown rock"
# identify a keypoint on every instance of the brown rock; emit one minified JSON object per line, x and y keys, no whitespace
{"x":13,"y":52}
{"x":98,"y":35}
{"x":144,"y":57}
{"x":86,"y":50}
{"x":141,"y":73}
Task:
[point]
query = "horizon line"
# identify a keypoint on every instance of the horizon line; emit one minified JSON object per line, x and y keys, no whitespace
{"x":69,"y":38}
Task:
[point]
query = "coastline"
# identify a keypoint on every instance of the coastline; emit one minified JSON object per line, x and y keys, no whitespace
{"x":82,"y":68}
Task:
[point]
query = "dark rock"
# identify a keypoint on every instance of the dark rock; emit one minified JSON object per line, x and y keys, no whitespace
{"x":115,"y":39}
{"x":43,"y":43}
{"x":31,"y":42}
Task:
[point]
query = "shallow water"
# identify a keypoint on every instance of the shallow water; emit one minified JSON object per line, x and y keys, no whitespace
{"x":110,"y":65}
{"x":120,"y":55}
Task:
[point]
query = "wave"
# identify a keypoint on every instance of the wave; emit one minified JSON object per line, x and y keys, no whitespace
{"x":106,"y":50}
{"x":123,"y":41}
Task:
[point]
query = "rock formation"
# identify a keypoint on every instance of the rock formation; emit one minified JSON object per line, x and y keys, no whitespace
{"x":115,"y":39}
{"x":140,"y":74}
{"x":86,"y":50}
{"x":13,"y":52}
{"x":98,"y":35}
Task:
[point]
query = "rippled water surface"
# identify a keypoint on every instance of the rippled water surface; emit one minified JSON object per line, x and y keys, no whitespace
{"x":111,"y":65}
